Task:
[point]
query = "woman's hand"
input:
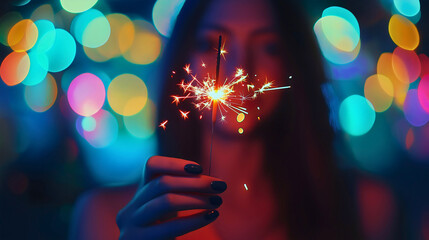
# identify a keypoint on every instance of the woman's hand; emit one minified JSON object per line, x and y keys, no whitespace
{"x":170,"y":185}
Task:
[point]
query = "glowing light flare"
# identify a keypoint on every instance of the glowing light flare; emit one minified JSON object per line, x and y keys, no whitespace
{"x":357,"y":115}
{"x":184,"y":114}
{"x":379,"y":91}
{"x":204,"y":92}
{"x":413,"y":110}
{"x":127,"y":94}
{"x":163,"y":125}
{"x":86,"y":94}
{"x":22,"y":36}
{"x":42,"y":96}
{"x":240,"y":130}
{"x":406,"y":65}
{"x":403,"y":32}
{"x":245,"y":187}
{"x":14,"y":68}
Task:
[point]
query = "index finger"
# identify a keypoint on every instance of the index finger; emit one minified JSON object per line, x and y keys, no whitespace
{"x":159,"y":165}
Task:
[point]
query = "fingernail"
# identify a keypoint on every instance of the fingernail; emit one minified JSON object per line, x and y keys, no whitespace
{"x":212,"y":215}
{"x":218,"y":186}
{"x":215,"y":201}
{"x":193,"y":168}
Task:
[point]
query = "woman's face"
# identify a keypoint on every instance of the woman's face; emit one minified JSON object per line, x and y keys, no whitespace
{"x":253,"y":43}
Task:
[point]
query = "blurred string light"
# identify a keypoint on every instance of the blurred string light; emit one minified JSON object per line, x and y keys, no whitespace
{"x":14,"y":68}
{"x":142,"y":124}
{"x":43,"y":12}
{"x":164,"y":15}
{"x":338,"y":34}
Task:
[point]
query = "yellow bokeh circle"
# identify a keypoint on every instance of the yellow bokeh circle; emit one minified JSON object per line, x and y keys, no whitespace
{"x":127,"y":94}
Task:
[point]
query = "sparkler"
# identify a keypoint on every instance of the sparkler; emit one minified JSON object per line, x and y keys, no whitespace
{"x":210,"y":93}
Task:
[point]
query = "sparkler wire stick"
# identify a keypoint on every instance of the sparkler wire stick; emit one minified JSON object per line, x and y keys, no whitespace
{"x":214,"y":110}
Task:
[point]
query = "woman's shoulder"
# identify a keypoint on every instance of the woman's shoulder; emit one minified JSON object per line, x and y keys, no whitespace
{"x":95,"y":211}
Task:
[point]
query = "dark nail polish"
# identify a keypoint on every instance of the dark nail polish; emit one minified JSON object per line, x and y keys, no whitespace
{"x":218,"y":186}
{"x":212,"y":215}
{"x":193,"y":169}
{"x":215,"y":201}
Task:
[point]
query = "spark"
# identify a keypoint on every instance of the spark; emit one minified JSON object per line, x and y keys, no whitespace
{"x":245,"y":186}
{"x":188,"y":68}
{"x":268,"y":87}
{"x":184,"y":114}
{"x":162,"y":125}
{"x":203,"y":64}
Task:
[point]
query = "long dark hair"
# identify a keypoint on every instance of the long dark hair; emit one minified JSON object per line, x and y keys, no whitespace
{"x":297,"y":137}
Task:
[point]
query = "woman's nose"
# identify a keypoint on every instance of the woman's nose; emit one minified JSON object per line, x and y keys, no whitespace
{"x":238,"y":57}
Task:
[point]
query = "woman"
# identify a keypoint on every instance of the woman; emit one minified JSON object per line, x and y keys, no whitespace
{"x":281,"y":175}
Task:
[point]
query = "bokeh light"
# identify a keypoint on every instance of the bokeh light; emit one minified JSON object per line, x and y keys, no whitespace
{"x":164,"y":15}
{"x":146,"y":46}
{"x":338,"y":35}
{"x":385,"y":67}
{"x":86,"y":94}
{"x":14,"y":68}
{"x":423,"y":93}
{"x":142,"y":124}
{"x":43,"y":44}
{"x":403,"y":32}
{"x":91,"y":28}
{"x":105,"y":131}
{"x":44,"y":12}
{"x":42,"y":96}
{"x":62,"y":51}
{"x":7,"y":21}
{"x":120,"y":40}
{"x":379,"y":91}
{"x":357,"y":115}
{"x":127,"y":94}
{"x":77,"y":6}
{"x":341,"y":28}
{"x":38,"y":70}
{"x":22,"y":36}
{"x":407,"y":8}
{"x":406,"y":65}
{"x":89,"y":124}
{"x":240,"y":117}
{"x":413,"y":110}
